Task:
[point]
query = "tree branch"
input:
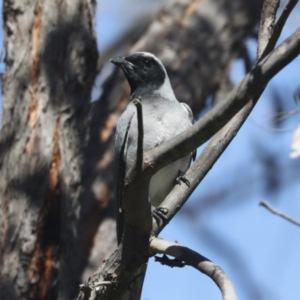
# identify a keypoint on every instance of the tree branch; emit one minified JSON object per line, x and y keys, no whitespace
{"x":277,"y":29}
{"x":267,"y":20}
{"x":278,"y":213}
{"x":139,"y":152}
{"x":197,"y":261}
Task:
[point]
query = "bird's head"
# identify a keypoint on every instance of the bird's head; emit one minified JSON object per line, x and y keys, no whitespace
{"x":144,"y":71}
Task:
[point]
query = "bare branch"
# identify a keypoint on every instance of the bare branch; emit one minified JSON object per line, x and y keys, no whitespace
{"x":197,"y":261}
{"x":267,"y":21}
{"x":278,"y":213}
{"x":279,"y":26}
{"x":139,"y":154}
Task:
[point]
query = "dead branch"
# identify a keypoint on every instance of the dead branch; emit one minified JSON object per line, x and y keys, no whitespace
{"x":278,"y":213}
{"x":267,"y":21}
{"x":277,"y":28}
{"x":199,"y":262}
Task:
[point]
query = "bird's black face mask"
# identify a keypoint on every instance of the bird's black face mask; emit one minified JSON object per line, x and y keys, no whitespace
{"x":143,"y":72}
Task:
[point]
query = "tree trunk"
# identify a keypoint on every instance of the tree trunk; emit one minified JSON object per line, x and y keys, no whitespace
{"x":51,"y":66}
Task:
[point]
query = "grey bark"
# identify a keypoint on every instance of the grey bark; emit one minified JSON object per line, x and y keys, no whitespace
{"x":266,"y":25}
{"x":50,"y":59}
{"x":195,"y":260}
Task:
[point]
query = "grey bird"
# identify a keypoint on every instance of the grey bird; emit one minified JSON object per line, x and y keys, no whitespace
{"x":164,"y":117}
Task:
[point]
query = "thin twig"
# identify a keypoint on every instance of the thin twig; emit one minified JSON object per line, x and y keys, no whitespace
{"x":199,"y":262}
{"x":139,"y":152}
{"x":278,"y":213}
{"x":279,"y":26}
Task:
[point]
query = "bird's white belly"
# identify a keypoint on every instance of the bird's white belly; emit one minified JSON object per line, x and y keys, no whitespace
{"x":163,"y":181}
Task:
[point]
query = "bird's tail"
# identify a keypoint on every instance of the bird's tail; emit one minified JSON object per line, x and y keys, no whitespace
{"x":136,"y":287}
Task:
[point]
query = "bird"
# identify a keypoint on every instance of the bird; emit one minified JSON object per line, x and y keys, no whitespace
{"x":164,"y":117}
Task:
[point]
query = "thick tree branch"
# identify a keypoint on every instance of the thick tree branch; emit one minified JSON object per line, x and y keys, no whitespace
{"x":197,"y":261}
{"x":267,"y":20}
{"x":278,"y":213}
{"x":277,"y":29}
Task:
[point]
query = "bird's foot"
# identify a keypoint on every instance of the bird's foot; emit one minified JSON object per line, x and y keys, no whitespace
{"x":159,"y":214}
{"x":165,"y":260}
{"x":181,"y":177}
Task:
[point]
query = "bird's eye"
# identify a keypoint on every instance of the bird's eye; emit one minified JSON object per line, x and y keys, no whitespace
{"x":147,"y":63}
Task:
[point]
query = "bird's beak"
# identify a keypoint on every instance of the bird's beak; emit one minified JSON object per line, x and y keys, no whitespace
{"x":118,"y":61}
{"x":122,"y":62}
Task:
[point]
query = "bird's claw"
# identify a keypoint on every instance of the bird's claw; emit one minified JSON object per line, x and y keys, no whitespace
{"x":181,"y":177}
{"x":159,"y":214}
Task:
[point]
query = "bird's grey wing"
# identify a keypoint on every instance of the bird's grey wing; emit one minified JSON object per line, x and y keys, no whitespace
{"x":190,"y":114}
{"x":121,"y":139}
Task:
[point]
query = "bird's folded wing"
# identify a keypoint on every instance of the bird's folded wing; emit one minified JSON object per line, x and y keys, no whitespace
{"x":190,"y":114}
{"x":121,"y":139}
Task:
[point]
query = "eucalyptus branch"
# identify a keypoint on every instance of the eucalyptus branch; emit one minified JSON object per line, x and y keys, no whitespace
{"x":277,"y":29}
{"x":199,"y":262}
{"x":267,"y":21}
